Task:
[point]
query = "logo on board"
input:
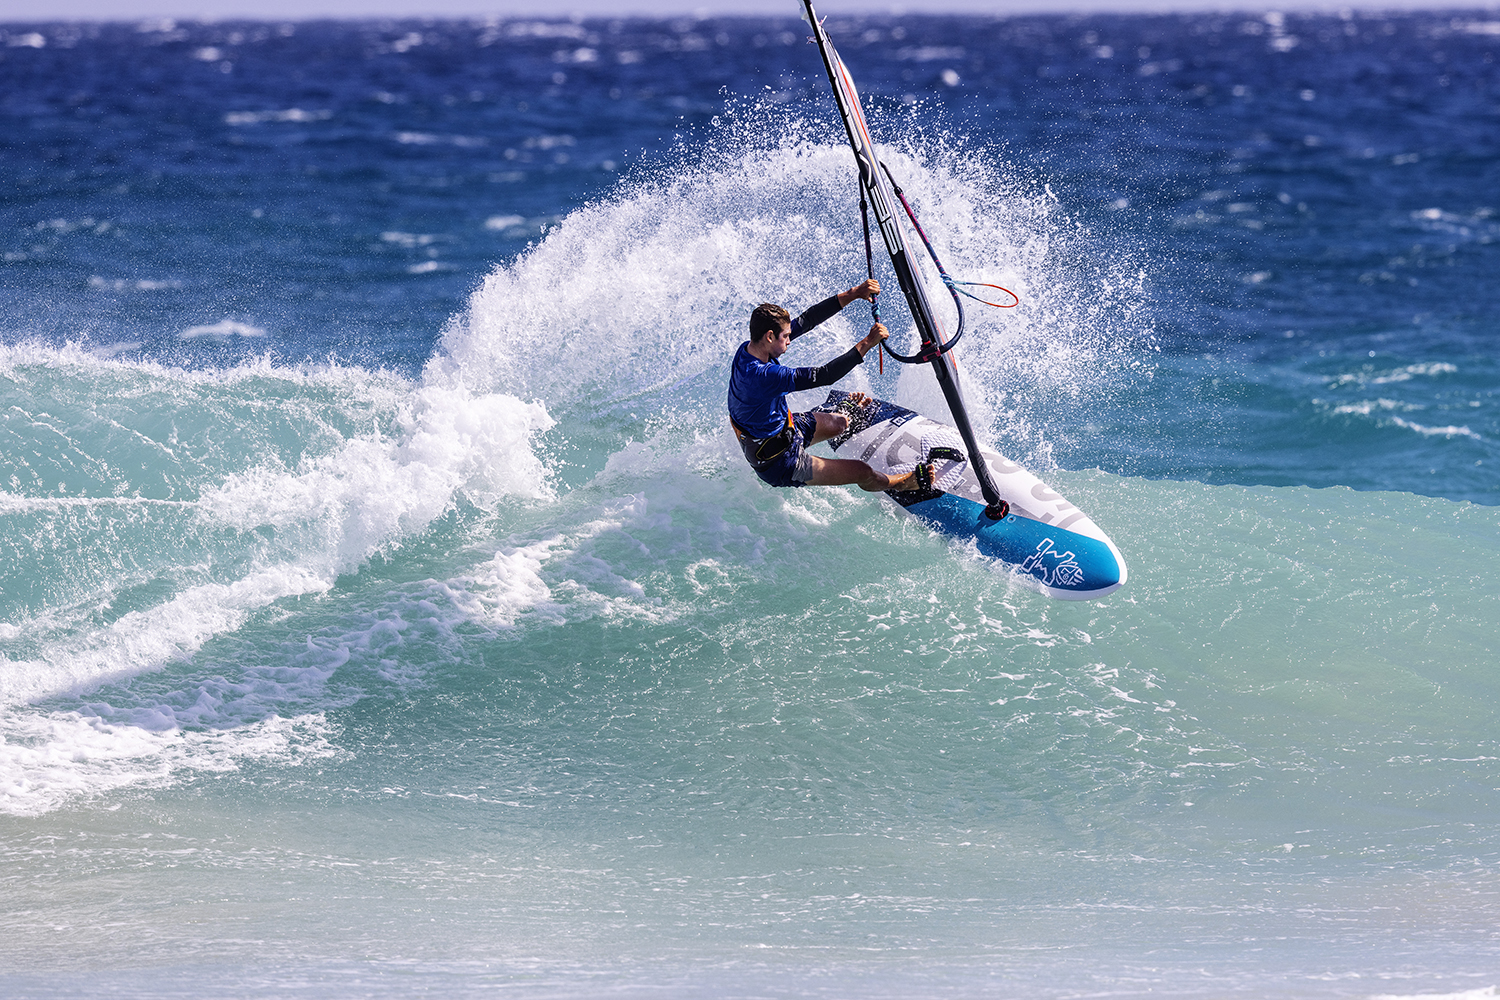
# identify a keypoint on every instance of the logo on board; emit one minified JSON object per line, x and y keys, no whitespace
{"x":1053,"y":568}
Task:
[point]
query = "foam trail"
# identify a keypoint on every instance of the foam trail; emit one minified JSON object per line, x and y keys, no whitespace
{"x":48,"y":759}
{"x":145,"y":640}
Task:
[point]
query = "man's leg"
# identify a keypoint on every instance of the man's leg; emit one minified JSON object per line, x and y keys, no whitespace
{"x":830,"y":425}
{"x":846,"y":471}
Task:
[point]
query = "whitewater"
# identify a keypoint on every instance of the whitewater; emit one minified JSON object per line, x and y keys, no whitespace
{"x":463,"y":653}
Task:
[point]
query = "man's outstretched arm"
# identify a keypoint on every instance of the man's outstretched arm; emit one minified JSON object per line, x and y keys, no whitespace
{"x":830,"y":306}
{"x":828,"y":374}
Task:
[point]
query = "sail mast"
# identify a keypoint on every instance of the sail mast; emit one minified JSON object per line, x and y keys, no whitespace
{"x":877,"y":189}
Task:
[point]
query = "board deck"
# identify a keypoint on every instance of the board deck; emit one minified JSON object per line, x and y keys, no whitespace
{"x":1050,"y":544}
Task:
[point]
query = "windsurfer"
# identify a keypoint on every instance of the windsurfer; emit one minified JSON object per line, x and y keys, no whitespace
{"x":774,"y":439}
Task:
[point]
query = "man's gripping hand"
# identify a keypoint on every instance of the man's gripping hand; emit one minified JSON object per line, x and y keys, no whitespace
{"x":872,"y":340}
{"x":867,"y":290}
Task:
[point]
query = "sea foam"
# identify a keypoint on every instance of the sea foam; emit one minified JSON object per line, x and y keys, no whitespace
{"x":148,"y":582}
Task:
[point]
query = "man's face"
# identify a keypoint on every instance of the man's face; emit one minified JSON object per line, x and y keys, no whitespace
{"x":779,"y":341}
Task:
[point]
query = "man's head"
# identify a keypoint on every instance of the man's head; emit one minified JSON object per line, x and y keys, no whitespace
{"x":767,"y":318}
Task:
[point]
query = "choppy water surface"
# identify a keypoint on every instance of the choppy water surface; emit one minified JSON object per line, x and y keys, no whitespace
{"x":386,"y":608}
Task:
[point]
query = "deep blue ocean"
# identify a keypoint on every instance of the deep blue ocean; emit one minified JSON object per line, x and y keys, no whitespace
{"x":387,"y":611}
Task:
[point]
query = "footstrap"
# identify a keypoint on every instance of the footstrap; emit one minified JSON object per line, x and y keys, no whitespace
{"x":995,"y":512}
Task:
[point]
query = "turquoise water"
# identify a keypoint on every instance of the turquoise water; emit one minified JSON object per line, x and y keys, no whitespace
{"x":421,"y":630}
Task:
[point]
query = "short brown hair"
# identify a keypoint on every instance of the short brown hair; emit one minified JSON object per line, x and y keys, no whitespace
{"x":767,"y":318}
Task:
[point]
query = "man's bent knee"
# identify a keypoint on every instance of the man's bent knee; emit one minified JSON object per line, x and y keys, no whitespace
{"x":830,"y":425}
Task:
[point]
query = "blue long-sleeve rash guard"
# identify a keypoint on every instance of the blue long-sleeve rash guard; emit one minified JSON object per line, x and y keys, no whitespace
{"x":757,"y":389}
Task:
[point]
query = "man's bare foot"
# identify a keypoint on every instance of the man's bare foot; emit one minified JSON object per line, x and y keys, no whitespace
{"x":919,"y":478}
{"x":853,"y":403}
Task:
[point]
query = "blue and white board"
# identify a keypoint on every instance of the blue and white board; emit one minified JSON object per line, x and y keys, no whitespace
{"x":1049,"y":543}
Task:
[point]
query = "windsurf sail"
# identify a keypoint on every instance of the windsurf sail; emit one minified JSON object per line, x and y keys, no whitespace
{"x":877,"y":188}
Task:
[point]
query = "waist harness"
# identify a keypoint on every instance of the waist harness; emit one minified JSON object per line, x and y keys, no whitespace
{"x":760,"y":452}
